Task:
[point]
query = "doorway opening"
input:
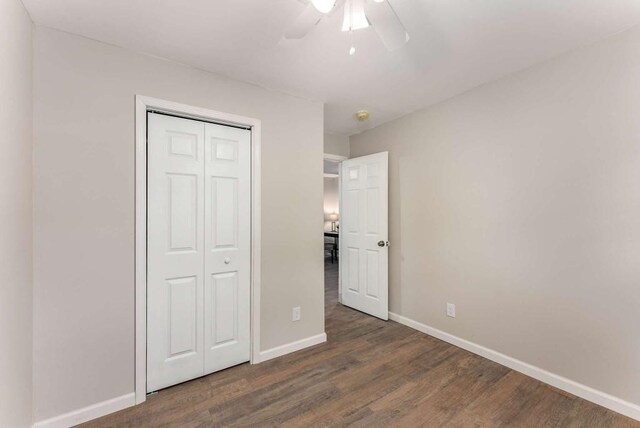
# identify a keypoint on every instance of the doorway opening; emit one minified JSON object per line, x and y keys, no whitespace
{"x":332,"y":166}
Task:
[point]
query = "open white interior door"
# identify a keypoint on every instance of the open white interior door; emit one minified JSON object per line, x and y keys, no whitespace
{"x":364,"y":246}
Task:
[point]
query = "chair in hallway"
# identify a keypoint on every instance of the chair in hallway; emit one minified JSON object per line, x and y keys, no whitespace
{"x":331,"y":249}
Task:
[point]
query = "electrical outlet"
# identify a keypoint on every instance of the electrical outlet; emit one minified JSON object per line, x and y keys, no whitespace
{"x":296,"y":314}
{"x":451,"y":310}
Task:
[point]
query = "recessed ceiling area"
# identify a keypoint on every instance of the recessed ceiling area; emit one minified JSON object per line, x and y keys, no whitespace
{"x":455,"y":45}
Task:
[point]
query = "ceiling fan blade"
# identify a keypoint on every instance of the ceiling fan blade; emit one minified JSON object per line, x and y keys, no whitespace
{"x":336,"y":7}
{"x":387,"y":24}
{"x":308,"y":19}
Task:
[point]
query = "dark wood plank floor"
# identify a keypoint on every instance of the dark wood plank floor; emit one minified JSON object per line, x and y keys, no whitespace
{"x":371,"y":373}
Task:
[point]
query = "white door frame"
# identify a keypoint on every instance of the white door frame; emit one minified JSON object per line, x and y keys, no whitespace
{"x":144,"y":104}
{"x":339,"y":159}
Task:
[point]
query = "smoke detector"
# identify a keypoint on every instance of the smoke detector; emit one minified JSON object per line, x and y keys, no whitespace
{"x":362,"y":115}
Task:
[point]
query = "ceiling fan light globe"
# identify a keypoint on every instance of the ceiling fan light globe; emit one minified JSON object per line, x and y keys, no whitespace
{"x":324,"y":6}
{"x":354,"y":16}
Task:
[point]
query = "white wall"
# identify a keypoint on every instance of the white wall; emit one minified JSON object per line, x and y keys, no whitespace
{"x":336,"y":144}
{"x":84,"y":210}
{"x":15,"y":215}
{"x":519,"y":201}
{"x":331,"y":199}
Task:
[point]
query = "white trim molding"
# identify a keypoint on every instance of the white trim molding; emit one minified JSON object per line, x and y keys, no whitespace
{"x":142,"y":105}
{"x":288,"y":348}
{"x":590,"y":394}
{"x":335,"y":158}
{"x":88,"y":413}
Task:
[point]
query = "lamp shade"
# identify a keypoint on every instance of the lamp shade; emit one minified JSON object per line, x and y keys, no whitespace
{"x":332,"y":217}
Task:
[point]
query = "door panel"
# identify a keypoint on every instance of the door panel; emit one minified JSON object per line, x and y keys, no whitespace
{"x":228,"y":246}
{"x":175,"y":248}
{"x":224,"y":212}
{"x":183,"y":302}
{"x":183,"y":212}
{"x":224,"y":306}
{"x":352,"y":266}
{"x":364,"y":267}
{"x":373,"y":269}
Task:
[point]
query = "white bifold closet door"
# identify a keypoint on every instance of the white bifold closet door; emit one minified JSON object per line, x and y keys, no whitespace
{"x":198,"y":248}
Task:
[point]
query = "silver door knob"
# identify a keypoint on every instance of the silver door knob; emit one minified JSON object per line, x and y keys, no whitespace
{"x":381,"y":244}
{"x":227,"y":260}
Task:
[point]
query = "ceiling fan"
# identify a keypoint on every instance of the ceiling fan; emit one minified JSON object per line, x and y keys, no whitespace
{"x":358,"y":14}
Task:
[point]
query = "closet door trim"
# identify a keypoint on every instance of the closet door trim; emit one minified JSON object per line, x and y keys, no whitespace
{"x":144,"y":104}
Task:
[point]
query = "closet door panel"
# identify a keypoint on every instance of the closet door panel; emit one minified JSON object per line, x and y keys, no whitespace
{"x":175,"y":250}
{"x":227,"y":244}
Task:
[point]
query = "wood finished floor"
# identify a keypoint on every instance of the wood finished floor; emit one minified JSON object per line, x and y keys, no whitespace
{"x":370,"y":373}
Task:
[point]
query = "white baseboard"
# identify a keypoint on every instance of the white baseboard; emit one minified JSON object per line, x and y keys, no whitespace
{"x":88,"y":413}
{"x":288,"y":348}
{"x":110,"y":406}
{"x":598,"y":397}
